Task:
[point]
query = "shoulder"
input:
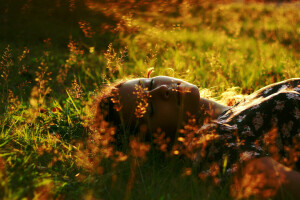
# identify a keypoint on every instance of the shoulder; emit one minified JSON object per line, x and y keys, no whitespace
{"x":282,"y":97}
{"x":291,"y":84}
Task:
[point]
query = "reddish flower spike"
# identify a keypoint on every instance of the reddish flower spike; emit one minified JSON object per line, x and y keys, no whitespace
{"x":149,"y":72}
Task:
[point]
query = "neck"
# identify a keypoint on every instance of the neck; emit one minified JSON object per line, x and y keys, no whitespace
{"x":212,"y":108}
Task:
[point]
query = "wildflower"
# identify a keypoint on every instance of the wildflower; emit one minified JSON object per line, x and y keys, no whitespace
{"x":187,"y":171}
{"x":86,"y":28}
{"x":5,"y":63}
{"x":71,"y":5}
{"x":180,"y":139}
{"x":75,"y":54}
{"x":214,"y":169}
{"x":116,"y":100}
{"x":142,"y":101}
{"x":161,"y":140}
{"x":56,"y":109}
{"x":139,"y":149}
{"x":246,"y":155}
{"x":176,"y":152}
{"x":76,"y":90}
{"x":121,"y":157}
{"x":13,"y":101}
{"x":114,"y":61}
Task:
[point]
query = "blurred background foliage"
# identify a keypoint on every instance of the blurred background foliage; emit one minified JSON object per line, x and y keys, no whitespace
{"x":55,"y":55}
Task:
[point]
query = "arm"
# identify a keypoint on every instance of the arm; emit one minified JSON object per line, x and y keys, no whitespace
{"x":264,"y":178}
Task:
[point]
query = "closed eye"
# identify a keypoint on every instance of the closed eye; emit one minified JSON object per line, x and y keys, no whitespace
{"x":151,"y":84}
{"x":151,"y":103}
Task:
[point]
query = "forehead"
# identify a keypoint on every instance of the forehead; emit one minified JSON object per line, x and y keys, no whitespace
{"x":127,"y":88}
{"x":128,"y":99}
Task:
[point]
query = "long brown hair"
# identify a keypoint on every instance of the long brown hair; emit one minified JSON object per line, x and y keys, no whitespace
{"x":109,"y":109}
{"x":108,"y":105}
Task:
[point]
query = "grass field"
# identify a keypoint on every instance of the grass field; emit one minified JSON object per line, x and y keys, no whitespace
{"x":57,"y":55}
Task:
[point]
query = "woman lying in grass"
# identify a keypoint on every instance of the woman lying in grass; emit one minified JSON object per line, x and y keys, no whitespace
{"x":258,"y":133}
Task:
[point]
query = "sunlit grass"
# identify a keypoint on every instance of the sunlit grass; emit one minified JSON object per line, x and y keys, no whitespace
{"x":49,"y":146}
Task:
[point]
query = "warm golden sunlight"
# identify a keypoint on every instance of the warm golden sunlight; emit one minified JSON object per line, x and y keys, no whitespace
{"x":150,"y":99}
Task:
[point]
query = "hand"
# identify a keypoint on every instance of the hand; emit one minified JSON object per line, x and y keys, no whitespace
{"x":264,"y":178}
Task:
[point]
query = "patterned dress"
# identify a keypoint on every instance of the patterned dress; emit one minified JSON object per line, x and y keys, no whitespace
{"x":266,"y":123}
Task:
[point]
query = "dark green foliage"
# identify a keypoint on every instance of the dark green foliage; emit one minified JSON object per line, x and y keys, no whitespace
{"x":52,"y":64}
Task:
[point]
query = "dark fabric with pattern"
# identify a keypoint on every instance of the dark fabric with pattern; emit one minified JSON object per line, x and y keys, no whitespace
{"x":244,"y":128}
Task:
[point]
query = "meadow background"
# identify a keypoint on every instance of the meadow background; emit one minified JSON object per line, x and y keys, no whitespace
{"x":56,"y":55}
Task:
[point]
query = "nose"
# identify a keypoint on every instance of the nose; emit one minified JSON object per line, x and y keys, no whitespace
{"x":162,"y":91}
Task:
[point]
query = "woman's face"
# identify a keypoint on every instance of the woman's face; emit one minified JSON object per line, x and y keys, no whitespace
{"x":169,"y":101}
